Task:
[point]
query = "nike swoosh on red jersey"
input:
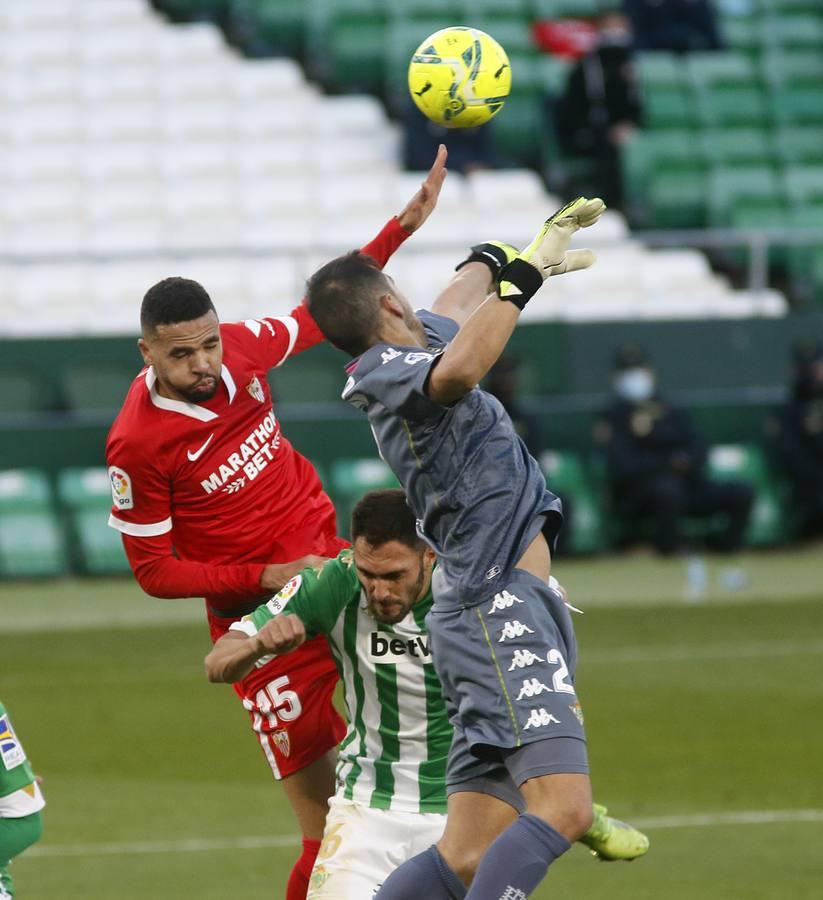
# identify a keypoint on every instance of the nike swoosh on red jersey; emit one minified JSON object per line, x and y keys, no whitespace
{"x":199,"y":452}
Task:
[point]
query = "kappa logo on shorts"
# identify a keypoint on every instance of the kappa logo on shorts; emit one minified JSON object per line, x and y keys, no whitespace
{"x":281,"y":741}
{"x":513,"y":893}
{"x":532,"y":687}
{"x":503,"y":600}
{"x":514,"y":629}
{"x":539,"y":718}
{"x":523,"y":658}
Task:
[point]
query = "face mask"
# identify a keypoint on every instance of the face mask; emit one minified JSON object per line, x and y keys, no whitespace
{"x":635,"y":385}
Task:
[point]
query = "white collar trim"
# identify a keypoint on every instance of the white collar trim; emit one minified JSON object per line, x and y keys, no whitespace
{"x":192,"y":410}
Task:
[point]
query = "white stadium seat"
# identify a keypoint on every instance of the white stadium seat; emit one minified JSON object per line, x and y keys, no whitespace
{"x":119,"y":161}
{"x":134,"y":121}
{"x":123,"y":201}
{"x":133,"y":142}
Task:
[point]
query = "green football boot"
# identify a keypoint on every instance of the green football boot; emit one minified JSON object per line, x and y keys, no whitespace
{"x":610,"y":839}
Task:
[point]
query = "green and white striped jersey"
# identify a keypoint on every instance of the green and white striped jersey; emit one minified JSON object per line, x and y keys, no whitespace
{"x":394,"y":753}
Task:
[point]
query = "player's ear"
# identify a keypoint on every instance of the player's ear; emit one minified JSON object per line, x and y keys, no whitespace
{"x":143,"y":347}
{"x":392,"y":305}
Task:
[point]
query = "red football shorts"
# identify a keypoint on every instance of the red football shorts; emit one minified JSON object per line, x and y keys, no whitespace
{"x":289,"y":701}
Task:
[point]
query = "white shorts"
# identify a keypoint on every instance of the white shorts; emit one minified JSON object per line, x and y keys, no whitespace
{"x":362,"y":846}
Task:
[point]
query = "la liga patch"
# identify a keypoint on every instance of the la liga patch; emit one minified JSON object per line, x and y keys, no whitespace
{"x":10,"y":750}
{"x":121,"y":493}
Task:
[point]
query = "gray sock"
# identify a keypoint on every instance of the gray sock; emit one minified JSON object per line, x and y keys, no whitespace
{"x":425,"y":875}
{"x":517,"y":861}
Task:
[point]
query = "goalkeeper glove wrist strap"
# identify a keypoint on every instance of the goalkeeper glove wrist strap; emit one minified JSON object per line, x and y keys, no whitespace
{"x":519,"y":281}
{"x":489,"y":254}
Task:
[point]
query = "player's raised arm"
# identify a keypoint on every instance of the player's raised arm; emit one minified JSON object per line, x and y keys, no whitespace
{"x":484,"y":334}
{"x":234,"y":654}
{"x":380,"y":248}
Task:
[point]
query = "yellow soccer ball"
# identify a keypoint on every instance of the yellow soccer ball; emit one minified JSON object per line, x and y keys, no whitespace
{"x":460,"y":77}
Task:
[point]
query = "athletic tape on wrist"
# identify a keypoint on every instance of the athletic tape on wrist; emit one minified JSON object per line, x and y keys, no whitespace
{"x":519,"y":281}
{"x":492,"y":257}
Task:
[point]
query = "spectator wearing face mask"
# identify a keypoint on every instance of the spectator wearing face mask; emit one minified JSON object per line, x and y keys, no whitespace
{"x":600,"y":108}
{"x":655,"y":462}
{"x":797,"y":437}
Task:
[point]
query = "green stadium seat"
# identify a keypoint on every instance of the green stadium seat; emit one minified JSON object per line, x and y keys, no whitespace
{"x":804,"y":260}
{"x":20,"y":393}
{"x":565,"y":9}
{"x":85,"y":496}
{"x":712,"y":69}
{"x":796,"y":105}
{"x":31,"y":541}
{"x":799,"y":145}
{"x":519,"y":129}
{"x":669,"y":107}
{"x":96,"y":387}
{"x":724,"y":146}
{"x":745,"y":462}
{"x":659,"y":68}
{"x":732,"y":105}
{"x":789,"y":6}
{"x":648,"y":152}
{"x":792,"y":32}
{"x":268,"y":26}
{"x":566,"y":476}
{"x":804,"y":185}
{"x":195,"y":10}
{"x":679,"y":197}
{"x":553,"y":73}
{"x":729,"y":186}
{"x":792,"y":69}
{"x":351,"y":478}
{"x":742,"y":35}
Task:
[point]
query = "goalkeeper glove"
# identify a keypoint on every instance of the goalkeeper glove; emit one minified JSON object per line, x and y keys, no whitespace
{"x":548,"y":253}
{"x":494,"y":254}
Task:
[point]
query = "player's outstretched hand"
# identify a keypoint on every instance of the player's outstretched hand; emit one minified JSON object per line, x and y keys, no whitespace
{"x":549,"y":252}
{"x":420,"y":207}
{"x":275,"y":575}
{"x":551,"y":246}
{"x":280,"y":635}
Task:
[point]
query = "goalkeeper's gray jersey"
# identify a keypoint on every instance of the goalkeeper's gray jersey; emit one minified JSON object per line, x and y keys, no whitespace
{"x":478,"y":496}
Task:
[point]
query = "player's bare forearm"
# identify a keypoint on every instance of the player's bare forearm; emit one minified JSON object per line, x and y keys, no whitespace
{"x":234,"y":654}
{"x":474,"y":350}
{"x":421,"y":205}
{"x":469,"y":287}
{"x":232,"y":658}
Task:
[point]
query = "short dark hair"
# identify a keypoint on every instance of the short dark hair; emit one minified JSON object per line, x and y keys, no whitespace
{"x":342,"y":298}
{"x":383,"y":516}
{"x":174,"y":300}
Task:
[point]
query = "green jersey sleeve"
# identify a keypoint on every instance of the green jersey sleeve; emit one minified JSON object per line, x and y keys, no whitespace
{"x":315,"y":596}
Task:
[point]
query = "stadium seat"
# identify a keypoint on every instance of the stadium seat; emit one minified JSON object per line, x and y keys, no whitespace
{"x":799,"y":145}
{"x":796,"y":105}
{"x":85,"y":496}
{"x":726,"y":146}
{"x":804,"y":184}
{"x":93,"y":386}
{"x":351,"y":478}
{"x":745,"y":462}
{"x":730,"y":185}
{"x":31,"y":542}
{"x":566,"y":477}
{"x":792,"y":69}
{"x":792,"y":32}
{"x":679,"y":197}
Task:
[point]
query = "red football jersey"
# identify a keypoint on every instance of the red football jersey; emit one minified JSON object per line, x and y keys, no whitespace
{"x":206,"y":494}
